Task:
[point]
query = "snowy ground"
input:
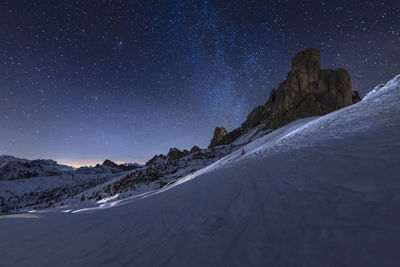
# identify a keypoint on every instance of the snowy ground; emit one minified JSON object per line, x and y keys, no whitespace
{"x":42,"y":192}
{"x":91,"y":187}
{"x":318,"y":192}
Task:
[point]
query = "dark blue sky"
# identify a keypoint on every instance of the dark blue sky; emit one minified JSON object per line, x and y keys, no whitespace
{"x":81,"y":81}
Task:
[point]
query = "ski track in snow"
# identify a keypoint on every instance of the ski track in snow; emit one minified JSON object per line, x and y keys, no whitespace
{"x":320,"y":191}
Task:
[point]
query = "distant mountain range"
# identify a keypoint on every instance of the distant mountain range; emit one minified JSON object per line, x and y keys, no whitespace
{"x":13,"y":168}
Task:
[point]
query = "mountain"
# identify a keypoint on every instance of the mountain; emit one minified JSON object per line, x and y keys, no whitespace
{"x":320,"y":191}
{"x":12,"y":168}
{"x":121,"y":167}
{"x":137,"y":165}
{"x":306,"y":91}
{"x":44,"y":183}
{"x":107,"y":180}
{"x":4,"y":159}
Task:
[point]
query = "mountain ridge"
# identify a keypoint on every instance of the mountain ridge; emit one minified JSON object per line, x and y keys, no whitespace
{"x":307,"y":90}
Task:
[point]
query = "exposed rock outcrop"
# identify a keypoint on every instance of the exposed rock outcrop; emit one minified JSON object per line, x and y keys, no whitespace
{"x":219,"y":133}
{"x":194,"y":149}
{"x":110,"y":163}
{"x":356,"y":97}
{"x":156,"y":159}
{"x":307,"y":91}
{"x":122,"y":167}
{"x":174,"y":154}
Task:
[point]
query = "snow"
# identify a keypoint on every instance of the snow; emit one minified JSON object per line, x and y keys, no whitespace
{"x":93,"y":185}
{"x":39,"y":192}
{"x":252,"y":135}
{"x":320,"y":191}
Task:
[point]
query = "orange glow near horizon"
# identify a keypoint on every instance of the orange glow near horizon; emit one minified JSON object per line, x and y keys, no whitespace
{"x":86,"y":162}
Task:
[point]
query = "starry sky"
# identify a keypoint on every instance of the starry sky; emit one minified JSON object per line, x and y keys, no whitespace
{"x":81,"y":81}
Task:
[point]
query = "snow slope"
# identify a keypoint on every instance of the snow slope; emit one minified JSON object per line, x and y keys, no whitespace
{"x":318,"y":192}
{"x":12,"y":168}
{"x":105,"y":183}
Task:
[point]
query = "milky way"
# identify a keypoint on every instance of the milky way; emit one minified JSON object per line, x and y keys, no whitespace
{"x":81,"y":81}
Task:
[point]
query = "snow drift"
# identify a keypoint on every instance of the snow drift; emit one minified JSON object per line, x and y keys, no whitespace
{"x":318,"y":192}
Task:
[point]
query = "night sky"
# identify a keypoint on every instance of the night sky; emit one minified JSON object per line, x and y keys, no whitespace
{"x":81,"y":81}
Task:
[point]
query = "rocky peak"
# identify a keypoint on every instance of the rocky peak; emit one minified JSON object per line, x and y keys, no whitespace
{"x":306,"y":65}
{"x":110,"y":163}
{"x":194,"y":149}
{"x":174,"y":154}
{"x":307,"y":91}
{"x":122,"y":167}
{"x":219,"y":133}
{"x":155,"y":159}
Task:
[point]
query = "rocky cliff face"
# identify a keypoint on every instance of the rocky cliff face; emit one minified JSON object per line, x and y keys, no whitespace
{"x":194,"y":149}
{"x":219,"y":133}
{"x":173,"y":155}
{"x":307,"y":91}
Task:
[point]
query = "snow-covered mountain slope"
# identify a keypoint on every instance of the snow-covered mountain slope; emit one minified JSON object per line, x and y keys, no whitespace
{"x":42,"y":183}
{"x":12,"y":168}
{"x":318,"y":192}
{"x":4,"y":159}
{"x":92,"y":184}
{"x":43,"y":192}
